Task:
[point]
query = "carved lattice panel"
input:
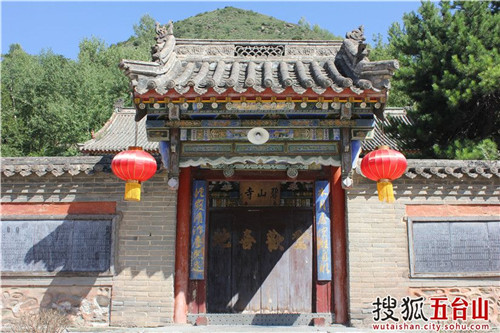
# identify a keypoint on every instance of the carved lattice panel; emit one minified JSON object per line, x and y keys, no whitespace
{"x":259,"y":50}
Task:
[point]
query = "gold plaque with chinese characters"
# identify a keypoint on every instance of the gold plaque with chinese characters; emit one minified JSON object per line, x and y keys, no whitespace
{"x":260,"y":193}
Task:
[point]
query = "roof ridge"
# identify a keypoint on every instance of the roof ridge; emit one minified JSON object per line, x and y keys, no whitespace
{"x":178,"y":67}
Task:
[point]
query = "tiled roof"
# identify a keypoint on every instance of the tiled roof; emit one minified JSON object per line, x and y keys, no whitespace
{"x":201,"y":66}
{"x":452,"y":169}
{"x":57,"y":166}
{"x":380,"y":138}
{"x":118,"y":134}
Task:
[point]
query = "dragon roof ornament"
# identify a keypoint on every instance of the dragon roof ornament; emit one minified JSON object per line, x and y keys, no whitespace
{"x":215,"y":66}
{"x":163,"y":51}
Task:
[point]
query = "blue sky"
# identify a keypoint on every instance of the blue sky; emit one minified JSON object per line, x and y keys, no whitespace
{"x":60,"y":26}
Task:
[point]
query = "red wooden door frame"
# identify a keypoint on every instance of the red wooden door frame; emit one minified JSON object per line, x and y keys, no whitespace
{"x":339,"y":247}
{"x":181,"y":278}
{"x":325,"y":301}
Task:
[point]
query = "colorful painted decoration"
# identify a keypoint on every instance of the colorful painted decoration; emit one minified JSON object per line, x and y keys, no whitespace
{"x":383,"y":166}
{"x":323,"y":244}
{"x":198,"y":227}
{"x":134,"y":166}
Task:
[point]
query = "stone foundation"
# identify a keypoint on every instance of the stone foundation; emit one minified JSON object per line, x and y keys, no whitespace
{"x":85,"y":305}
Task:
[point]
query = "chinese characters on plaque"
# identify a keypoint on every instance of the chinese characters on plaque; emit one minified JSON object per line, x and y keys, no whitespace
{"x":260,"y":193}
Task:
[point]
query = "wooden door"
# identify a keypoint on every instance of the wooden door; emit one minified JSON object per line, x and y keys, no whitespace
{"x":219,"y":263}
{"x":260,"y":261}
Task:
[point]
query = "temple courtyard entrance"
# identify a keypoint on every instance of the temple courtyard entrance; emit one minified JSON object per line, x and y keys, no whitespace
{"x":260,"y":260}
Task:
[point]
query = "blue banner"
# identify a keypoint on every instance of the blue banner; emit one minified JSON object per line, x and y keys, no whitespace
{"x":355,"y":151}
{"x":198,"y":227}
{"x":323,"y":246}
{"x":165,"y":154}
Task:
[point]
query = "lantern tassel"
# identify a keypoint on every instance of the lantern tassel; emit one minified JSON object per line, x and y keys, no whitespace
{"x":385,"y":191}
{"x":132,"y":191}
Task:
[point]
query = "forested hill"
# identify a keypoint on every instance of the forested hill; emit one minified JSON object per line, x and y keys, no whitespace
{"x":50,"y":103}
{"x":234,"y":23}
{"x":449,"y":73}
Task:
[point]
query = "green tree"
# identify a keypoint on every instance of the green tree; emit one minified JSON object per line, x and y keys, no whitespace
{"x":20,"y":72}
{"x":145,"y":30}
{"x":382,"y":51}
{"x":50,"y":103}
{"x":450,"y":68}
{"x":38,"y":117}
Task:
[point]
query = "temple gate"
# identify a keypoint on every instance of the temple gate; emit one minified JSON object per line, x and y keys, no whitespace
{"x":260,"y":138}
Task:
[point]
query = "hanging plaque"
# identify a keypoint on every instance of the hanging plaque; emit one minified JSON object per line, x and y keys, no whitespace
{"x":260,"y":193}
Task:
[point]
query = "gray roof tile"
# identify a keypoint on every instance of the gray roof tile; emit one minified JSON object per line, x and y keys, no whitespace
{"x":118,"y":134}
{"x":380,"y":138}
{"x":254,"y":66}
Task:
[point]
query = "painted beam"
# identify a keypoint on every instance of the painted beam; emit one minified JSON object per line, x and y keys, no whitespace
{"x":175,"y":149}
{"x":346,"y":157}
{"x":218,"y":175}
{"x":229,"y":94}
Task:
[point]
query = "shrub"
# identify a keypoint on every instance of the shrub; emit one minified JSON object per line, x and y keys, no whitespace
{"x":44,"y":321}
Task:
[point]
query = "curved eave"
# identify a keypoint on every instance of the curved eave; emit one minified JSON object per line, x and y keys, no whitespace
{"x":289,"y":92}
{"x":100,"y":152}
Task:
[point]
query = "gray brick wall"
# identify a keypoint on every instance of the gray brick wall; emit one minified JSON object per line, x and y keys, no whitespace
{"x":142,"y":287}
{"x":378,"y":262}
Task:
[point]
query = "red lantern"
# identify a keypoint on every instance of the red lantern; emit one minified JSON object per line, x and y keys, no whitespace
{"x":383,"y":166}
{"x":134,"y":166}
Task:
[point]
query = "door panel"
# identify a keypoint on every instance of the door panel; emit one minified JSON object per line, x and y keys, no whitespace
{"x":274,"y":263}
{"x":260,"y":261}
{"x":245,"y":279}
{"x":301,"y":263}
{"x":219,"y":263}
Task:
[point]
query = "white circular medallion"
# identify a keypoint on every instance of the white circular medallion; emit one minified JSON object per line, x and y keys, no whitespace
{"x":258,"y":135}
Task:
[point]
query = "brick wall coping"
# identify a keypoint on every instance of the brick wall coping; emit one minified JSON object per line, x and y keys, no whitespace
{"x":450,"y":169}
{"x":58,"y":166}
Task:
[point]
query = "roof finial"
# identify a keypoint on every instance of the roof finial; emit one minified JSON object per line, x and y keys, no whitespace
{"x":357,"y":34}
{"x":165,"y":43}
{"x":164,"y":31}
{"x":170,"y":27}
